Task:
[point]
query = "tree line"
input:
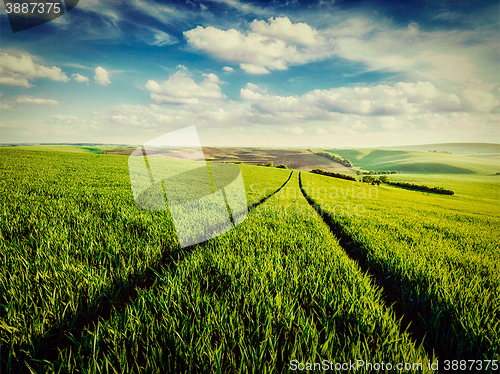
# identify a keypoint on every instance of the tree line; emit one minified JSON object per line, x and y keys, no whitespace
{"x":335,"y":157}
{"x":334,"y":175}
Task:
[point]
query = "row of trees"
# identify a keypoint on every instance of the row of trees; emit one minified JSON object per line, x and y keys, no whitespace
{"x":385,"y":179}
{"x":335,"y":157}
{"x":372,"y":180}
{"x":334,"y":175}
{"x":445,"y":152}
{"x":269,"y":164}
{"x":424,"y":188}
{"x":371,"y":172}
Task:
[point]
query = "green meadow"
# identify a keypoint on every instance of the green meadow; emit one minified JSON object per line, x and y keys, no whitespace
{"x":322,"y":270}
{"x":418,"y":162}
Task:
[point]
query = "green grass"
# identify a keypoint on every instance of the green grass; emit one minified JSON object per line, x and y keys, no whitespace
{"x":418,"y":162}
{"x":465,"y":149}
{"x":440,"y":254}
{"x":470,"y":187}
{"x":67,"y":148}
{"x":91,"y":283}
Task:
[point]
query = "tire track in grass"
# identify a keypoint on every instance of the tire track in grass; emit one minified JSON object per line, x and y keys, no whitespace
{"x":255,"y":205}
{"x":115,"y":297}
{"x":391,"y":296}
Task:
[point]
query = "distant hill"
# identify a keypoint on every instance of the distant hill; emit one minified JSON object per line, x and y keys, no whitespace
{"x":409,"y":161}
{"x":66,"y":148}
{"x":461,"y":149}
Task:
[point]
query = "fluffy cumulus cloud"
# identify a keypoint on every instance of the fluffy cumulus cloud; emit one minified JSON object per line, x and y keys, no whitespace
{"x":358,"y":109}
{"x":101,"y":76}
{"x":380,"y":100}
{"x":80,"y":78}
{"x":452,"y":56}
{"x":282,"y":28}
{"x":378,"y":114}
{"x":18,"y":71}
{"x":180,"y":88}
{"x":228,"y":69}
{"x":271,"y":45}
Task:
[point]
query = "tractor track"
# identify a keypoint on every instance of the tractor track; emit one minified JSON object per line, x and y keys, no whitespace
{"x":113,"y":298}
{"x":391,"y":296}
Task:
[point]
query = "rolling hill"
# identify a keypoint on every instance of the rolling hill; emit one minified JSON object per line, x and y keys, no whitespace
{"x":419,"y":162}
{"x":460,"y":149}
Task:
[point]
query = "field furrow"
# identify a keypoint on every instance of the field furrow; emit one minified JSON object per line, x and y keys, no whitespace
{"x":73,"y":249}
{"x":441,"y":267}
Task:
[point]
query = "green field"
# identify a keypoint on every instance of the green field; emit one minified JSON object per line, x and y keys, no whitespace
{"x":91,"y":283}
{"x":67,"y":148}
{"x":418,"y":162}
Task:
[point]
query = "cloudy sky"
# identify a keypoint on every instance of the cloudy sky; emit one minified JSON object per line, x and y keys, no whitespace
{"x":253,"y":73}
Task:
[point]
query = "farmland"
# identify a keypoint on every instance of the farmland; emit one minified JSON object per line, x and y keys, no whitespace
{"x":297,"y":159}
{"x":418,"y":162}
{"x":90,"y":282}
{"x":437,"y":254}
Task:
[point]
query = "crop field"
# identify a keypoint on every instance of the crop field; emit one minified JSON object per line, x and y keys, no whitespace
{"x":443,"y":253}
{"x":297,"y":159}
{"x":321,"y":269}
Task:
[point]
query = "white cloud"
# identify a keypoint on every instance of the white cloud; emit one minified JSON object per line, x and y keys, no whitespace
{"x":158,"y":38}
{"x":436,"y":56}
{"x":35,"y":100}
{"x":17,"y":71}
{"x":282,"y":28}
{"x":80,"y":78}
{"x":352,"y":27}
{"x":254,"y":69}
{"x":60,"y":118}
{"x":180,"y":88}
{"x":211,"y":77}
{"x":4,"y":106}
{"x":359,"y":126}
{"x":101,"y":76}
{"x":295,"y":130}
{"x":342,"y":116}
{"x":228,"y":69}
{"x":164,"y":14}
{"x":245,"y":8}
{"x":482,"y":101}
{"x":425,"y":90}
{"x":270,"y":46}
{"x":390,"y":123}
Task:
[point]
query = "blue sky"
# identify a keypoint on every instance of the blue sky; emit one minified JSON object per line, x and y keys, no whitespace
{"x":254,"y":73}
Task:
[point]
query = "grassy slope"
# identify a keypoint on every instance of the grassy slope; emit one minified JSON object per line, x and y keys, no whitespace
{"x":441,"y":253}
{"x":464,"y":149}
{"x":418,"y":162}
{"x":276,"y":288}
{"x":66,"y":148}
{"x":76,"y":249}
